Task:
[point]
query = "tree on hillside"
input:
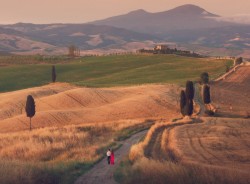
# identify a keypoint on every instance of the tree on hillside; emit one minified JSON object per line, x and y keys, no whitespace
{"x":189,"y":107}
{"x":183,"y":102}
{"x":238,"y":61}
{"x":53,"y":73}
{"x":206,"y":94}
{"x":204,"y":78}
{"x":190,"y":90}
{"x":74,"y":51}
{"x":30,"y":108}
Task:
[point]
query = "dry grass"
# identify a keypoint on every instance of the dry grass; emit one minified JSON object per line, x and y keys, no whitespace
{"x":137,"y":150}
{"x":215,"y":151}
{"x":151,"y":171}
{"x":45,"y":153}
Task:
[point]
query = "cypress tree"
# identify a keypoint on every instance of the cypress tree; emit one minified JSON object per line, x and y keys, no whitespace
{"x":206,"y":94}
{"x":190,"y":90}
{"x":204,"y":78}
{"x":53,"y":73}
{"x":183,"y":102}
{"x":189,"y":107}
{"x":30,"y":108}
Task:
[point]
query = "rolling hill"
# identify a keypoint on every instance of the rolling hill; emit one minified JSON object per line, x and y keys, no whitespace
{"x":181,"y":18}
{"x":187,"y":26}
{"x":49,"y":37}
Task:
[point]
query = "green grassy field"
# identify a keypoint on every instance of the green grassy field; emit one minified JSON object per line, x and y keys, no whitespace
{"x":108,"y":71}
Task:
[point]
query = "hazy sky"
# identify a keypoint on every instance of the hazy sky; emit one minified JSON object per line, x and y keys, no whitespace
{"x":80,"y":11}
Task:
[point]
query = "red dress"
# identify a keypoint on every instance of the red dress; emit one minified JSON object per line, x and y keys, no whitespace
{"x":112,"y":159}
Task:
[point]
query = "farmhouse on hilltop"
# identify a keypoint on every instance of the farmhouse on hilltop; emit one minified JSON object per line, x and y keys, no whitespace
{"x":161,"y":48}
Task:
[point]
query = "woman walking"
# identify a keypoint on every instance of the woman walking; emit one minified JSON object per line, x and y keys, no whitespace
{"x":112,"y":158}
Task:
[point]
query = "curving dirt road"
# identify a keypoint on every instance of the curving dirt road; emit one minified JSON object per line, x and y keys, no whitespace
{"x":231,"y":95}
{"x":102,"y":172}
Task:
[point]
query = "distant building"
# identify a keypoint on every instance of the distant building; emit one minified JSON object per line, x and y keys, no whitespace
{"x":161,"y":48}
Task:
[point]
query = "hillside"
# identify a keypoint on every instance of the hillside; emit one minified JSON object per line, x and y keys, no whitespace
{"x":107,"y":71}
{"x":61,"y":104}
{"x":55,"y":38}
{"x":236,"y":87}
{"x":180,"y":18}
{"x":190,"y":26}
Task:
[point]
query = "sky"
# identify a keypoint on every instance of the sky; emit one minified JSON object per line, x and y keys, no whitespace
{"x":82,"y":11}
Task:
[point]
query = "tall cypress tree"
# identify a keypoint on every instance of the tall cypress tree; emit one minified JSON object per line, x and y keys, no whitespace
{"x":183,"y":102}
{"x":53,"y":73}
{"x":30,"y":108}
{"x":190,"y":90}
{"x":189,"y":107}
{"x":204,"y":78}
{"x":206,"y":94}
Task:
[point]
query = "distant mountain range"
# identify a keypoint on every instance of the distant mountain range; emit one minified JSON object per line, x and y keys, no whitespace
{"x":187,"y":25}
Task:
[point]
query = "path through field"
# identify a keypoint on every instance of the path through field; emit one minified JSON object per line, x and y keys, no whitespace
{"x":231,"y":95}
{"x":102,"y":172}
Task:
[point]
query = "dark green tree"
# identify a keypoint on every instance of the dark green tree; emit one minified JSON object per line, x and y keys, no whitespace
{"x":204,"y":78}
{"x":190,"y":90}
{"x":238,"y":61}
{"x":53,"y":73}
{"x":206,"y":94}
{"x":183,"y":102}
{"x":189,"y":107}
{"x":30,"y":108}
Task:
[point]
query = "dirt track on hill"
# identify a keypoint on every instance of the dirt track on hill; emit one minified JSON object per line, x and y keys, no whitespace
{"x":231,"y":96}
{"x":102,"y":172}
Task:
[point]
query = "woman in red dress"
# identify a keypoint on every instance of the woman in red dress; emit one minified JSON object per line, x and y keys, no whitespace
{"x":112,"y":158}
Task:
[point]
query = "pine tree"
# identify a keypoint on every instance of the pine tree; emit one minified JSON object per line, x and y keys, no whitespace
{"x":30,"y":108}
{"x":53,"y":73}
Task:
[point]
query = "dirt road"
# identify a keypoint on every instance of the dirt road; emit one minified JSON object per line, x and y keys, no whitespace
{"x":102,"y":172}
{"x":231,"y":95}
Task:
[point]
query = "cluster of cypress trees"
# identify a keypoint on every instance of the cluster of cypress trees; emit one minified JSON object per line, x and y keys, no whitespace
{"x":30,"y":107}
{"x":186,"y":101}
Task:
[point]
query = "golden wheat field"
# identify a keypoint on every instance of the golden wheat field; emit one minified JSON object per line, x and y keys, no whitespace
{"x":207,"y":150}
{"x":73,"y":126}
{"x":63,"y":104}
